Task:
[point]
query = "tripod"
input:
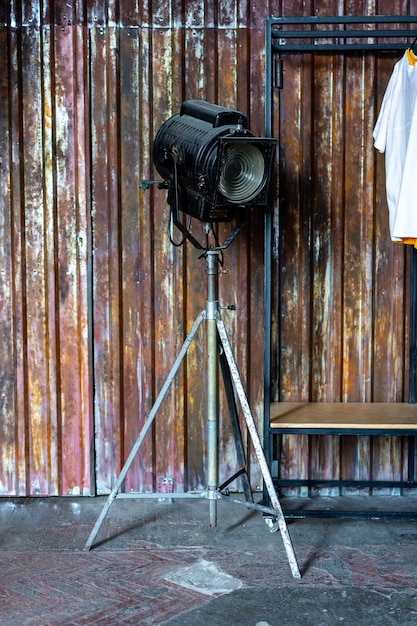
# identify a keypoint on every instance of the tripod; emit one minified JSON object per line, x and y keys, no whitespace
{"x":216,"y":332}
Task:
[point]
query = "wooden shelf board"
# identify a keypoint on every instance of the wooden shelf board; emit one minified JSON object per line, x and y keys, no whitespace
{"x":360,"y":415}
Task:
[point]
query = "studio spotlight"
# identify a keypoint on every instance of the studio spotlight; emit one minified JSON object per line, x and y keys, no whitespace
{"x":211,"y":163}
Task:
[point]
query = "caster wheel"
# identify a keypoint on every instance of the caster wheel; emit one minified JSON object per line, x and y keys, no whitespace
{"x":272,"y":524}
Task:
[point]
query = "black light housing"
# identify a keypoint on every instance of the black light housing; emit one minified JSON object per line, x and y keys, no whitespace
{"x":212,"y":163}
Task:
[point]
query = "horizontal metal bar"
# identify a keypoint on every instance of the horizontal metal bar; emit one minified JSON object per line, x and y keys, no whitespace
{"x":161,"y":496}
{"x":371,"y":515}
{"x":343,"y":19}
{"x":277,"y":31}
{"x":349,"y":483}
{"x":340,"y":47}
{"x":340,"y":34}
{"x":346,"y":431}
{"x":247,"y":504}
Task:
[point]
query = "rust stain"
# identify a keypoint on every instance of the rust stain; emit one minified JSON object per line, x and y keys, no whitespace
{"x":93,"y":290}
{"x":336,"y":261}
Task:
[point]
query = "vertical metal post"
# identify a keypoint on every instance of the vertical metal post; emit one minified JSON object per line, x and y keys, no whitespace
{"x":268,"y":217}
{"x":212,"y":383}
{"x":413,"y":329}
{"x":268,"y":77}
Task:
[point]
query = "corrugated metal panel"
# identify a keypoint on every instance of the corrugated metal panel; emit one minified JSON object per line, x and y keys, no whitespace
{"x":46,"y":407}
{"x":343,"y":311}
{"x":144,"y":74}
{"x":141,"y":75}
{"x":95,"y":302}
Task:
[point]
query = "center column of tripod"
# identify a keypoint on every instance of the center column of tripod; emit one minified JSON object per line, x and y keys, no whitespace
{"x":212,"y":306}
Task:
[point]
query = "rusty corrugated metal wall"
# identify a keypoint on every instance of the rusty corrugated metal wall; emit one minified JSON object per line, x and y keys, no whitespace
{"x":46,"y":393}
{"x":95,"y":302}
{"x":341,"y":286}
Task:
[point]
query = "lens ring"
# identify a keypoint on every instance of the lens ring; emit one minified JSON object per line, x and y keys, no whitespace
{"x":243,"y":173}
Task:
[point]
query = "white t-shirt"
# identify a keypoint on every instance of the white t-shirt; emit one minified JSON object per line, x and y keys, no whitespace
{"x":395,"y":133}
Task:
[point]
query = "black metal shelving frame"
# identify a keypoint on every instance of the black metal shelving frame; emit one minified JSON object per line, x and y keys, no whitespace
{"x":349,"y":35}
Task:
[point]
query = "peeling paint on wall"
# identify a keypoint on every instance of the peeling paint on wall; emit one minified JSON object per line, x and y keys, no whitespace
{"x":95,"y":302}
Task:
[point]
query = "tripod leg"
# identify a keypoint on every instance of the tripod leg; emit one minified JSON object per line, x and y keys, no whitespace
{"x":144,"y":430}
{"x":258,"y":448}
{"x":237,"y":434}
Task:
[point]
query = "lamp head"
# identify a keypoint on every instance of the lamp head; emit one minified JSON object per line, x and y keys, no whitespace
{"x":212,"y":163}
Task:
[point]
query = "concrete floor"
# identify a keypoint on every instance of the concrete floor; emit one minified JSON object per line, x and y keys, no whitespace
{"x":159,"y":563}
